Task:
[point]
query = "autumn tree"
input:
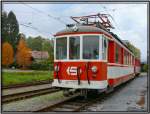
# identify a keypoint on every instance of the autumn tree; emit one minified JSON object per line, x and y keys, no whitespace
{"x":7,"y":54}
{"x":23,"y":54}
{"x":20,"y":36}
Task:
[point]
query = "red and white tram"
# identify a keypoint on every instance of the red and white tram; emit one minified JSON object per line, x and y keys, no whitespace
{"x":88,"y":57}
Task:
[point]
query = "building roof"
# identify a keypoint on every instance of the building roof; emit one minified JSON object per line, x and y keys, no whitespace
{"x":39,"y":54}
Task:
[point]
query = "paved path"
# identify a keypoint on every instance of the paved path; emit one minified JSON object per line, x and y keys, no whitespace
{"x":131,"y":97}
{"x":24,"y":89}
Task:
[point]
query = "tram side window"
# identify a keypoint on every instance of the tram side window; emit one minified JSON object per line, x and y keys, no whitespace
{"x":125,"y":57}
{"x":74,"y":47}
{"x":128,"y":59}
{"x":117,"y":54}
{"x":104,"y":49}
{"x":91,"y":47}
{"x":127,"y":62}
{"x":131,"y":59}
{"x":61,"y":48}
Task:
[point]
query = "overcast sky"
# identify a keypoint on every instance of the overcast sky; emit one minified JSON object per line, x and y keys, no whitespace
{"x":130,"y":20}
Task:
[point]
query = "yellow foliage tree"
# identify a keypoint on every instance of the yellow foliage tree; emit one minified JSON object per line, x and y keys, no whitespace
{"x":23,"y":54}
{"x":7,"y":54}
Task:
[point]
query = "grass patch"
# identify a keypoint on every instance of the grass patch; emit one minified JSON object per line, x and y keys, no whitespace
{"x":12,"y":78}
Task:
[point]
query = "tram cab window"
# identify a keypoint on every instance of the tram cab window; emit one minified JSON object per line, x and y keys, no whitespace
{"x":104,"y":48}
{"x":74,"y":47}
{"x":91,"y":47}
{"x":61,"y":48}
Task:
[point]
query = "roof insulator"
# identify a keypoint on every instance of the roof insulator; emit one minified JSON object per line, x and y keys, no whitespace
{"x":73,"y":27}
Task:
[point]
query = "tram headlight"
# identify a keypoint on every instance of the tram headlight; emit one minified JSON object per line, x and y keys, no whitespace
{"x":56,"y":68}
{"x":94,"y":69}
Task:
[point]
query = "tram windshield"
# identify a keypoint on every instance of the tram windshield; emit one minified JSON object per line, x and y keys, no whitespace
{"x":61,"y":48}
{"x":74,"y":47}
{"x":90,"y":47}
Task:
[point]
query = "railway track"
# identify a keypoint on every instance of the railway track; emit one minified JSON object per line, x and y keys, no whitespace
{"x":73,"y":103}
{"x":27,"y":94}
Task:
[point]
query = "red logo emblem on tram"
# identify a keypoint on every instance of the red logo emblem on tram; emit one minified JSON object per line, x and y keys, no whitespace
{"x":72,"y":70}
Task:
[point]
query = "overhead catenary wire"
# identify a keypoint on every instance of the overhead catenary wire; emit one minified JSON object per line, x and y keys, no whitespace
{"x":34,"y":28}
{"x":42,"y":12}
{"x":28,"y":26}
{"x":112,"y":17}
{"x":59,"y":18}
{"x":116,"y":25}
{"x":105,"y":8}
{"x":118,"y":9}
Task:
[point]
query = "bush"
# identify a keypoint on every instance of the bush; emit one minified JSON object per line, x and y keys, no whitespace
{"x":42,"y":65}
{"x":145,"y":68}
{"x":14,"y":65}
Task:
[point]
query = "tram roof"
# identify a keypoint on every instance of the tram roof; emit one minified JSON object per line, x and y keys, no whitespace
{"x":82,"y":28}
{"x":89,"y":29}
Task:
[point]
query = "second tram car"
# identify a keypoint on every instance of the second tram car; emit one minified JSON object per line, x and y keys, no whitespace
{"x":89,"y":57}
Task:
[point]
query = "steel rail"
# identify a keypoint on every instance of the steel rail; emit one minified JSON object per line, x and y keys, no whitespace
{"x":70,"y":104}
{"x":56,"y":104}
{"x":27,"y":94}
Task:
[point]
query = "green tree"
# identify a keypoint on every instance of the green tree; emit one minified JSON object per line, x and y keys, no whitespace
{"x":145,"y":67}
{"x":5,"y":37}
{"x":13,"y":29}
{"x":35,"y":43}
{"x":135,"y":50}
{"x":47,"y":46}
{"x":41,"y":44}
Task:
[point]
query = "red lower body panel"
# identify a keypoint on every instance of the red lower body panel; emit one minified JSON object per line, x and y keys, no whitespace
{"x":116,"y":81}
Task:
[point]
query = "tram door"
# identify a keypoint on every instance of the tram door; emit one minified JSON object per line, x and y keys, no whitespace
{"x":105,"y":52}
{"x":104,"y":48}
